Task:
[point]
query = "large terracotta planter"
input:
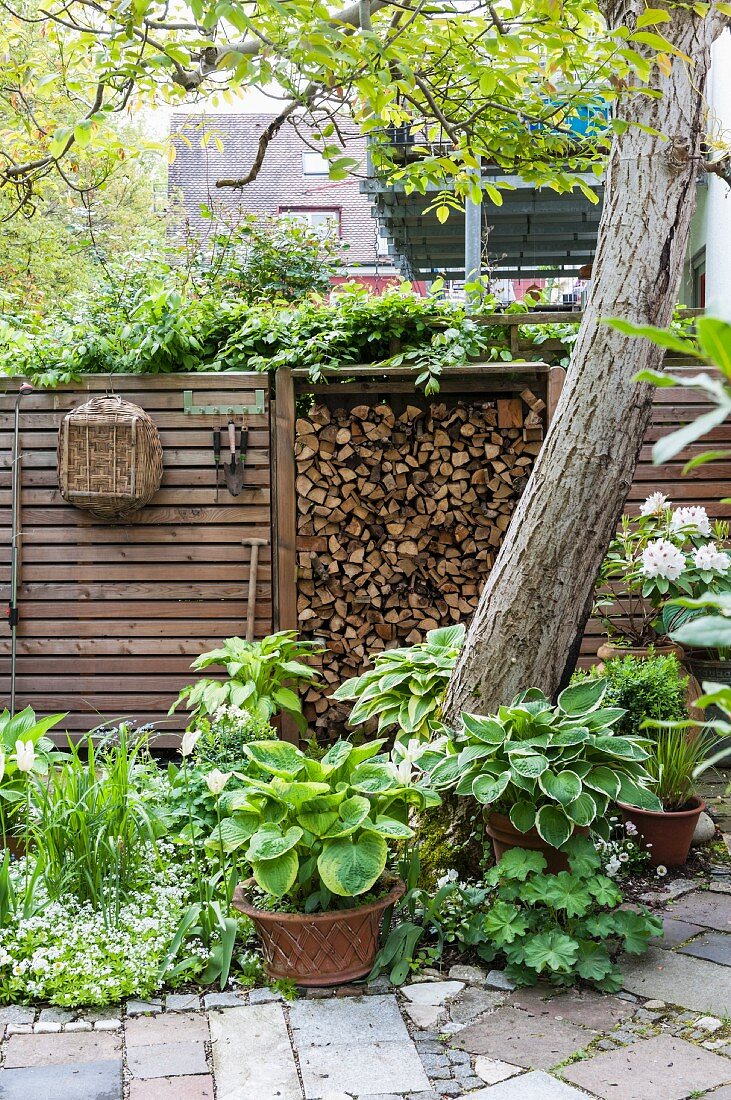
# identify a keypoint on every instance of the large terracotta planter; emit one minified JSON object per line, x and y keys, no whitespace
{"x":505,"y":836}
{"x":669,"y":832}
{"x":608,"y":652}
{"x":319,"y":948}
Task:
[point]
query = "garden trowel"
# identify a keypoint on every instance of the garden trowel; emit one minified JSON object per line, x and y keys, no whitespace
{"x":233,"y":467}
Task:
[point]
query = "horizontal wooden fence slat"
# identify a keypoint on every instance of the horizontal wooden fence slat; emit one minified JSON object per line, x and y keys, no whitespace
{"x":111,"y":615}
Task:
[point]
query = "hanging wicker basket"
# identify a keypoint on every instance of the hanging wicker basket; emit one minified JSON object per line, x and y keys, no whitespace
{"x":109,"y":457}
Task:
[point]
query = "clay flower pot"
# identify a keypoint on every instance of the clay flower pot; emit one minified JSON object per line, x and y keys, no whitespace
{"x":668,"y":831}
{"x":319,"y":948}
{"x":608,"y":652}
{"x":505,"y":836}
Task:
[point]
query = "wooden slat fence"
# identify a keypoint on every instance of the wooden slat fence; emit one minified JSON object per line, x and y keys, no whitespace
{"x":112,"y":615}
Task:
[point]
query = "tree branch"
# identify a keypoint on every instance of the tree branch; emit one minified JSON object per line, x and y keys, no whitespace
{"x":265,"y":140}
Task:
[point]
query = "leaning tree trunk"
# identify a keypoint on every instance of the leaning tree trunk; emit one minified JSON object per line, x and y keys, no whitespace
{"x":538,"y":596}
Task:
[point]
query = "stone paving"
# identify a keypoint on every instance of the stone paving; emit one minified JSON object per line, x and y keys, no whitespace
{"x":467,"y":1033}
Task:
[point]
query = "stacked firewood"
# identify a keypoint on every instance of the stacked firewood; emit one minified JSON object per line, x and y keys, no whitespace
{"x":399,"y":518}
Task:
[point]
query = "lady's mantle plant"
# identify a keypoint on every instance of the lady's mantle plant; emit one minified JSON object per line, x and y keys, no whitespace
{"x":661,"y":554}
{"x":552,"y":768}
{"x":562,"y":927}
{"x":318,"y":832}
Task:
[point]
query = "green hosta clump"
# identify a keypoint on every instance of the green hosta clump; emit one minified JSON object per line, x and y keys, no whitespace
{"x":261,"y":678}
{"x":319,"y":831}
{"x":563,"y":927}
{"x":405,"y":687}
{"x":552,"y":768}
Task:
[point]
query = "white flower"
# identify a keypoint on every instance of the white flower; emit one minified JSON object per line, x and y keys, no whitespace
{"x":655,"y":505}
{"x":25,"y":754}
{"x":691,"y":520}
{"x":190,"y":739}
{"x":217,"y":780}
{"x":661,"y":559}
{"x":623,"y":857}
{"x":409,"y":754}
{"x":630,"y":828}
{"x":660,"y":871}
{"x":710,"y":558}
{"x":612,"y":867}
{"x":447,"y":877}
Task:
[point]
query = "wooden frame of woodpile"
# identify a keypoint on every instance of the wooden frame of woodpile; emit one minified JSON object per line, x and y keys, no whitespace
{"x":395,"y":506}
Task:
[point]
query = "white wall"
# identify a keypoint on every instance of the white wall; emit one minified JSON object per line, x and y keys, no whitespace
{"x":718,"y":204}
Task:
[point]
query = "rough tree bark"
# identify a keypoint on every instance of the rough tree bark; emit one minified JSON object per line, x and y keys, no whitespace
{"x":538,"y":595}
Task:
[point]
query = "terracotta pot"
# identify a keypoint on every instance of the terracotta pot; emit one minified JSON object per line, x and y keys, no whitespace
{"x":16,"y":845}
{"x":319,"y":948}
{"x":608,"y":652}
{"x":669,"y":832}
{"x":505,"y":836}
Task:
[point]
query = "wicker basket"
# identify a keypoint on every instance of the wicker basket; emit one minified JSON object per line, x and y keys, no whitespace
{"x":109,"y":457}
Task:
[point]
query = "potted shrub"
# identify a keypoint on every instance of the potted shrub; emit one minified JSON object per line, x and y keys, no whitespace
{"x":677,"y":759}
{"x":656,"y":556}
{"x":316,"y":838}
{"x":650,"y":687}
{"x":545,"y":771}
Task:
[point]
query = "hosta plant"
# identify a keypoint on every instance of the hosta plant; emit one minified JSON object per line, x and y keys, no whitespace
{"x":405,"y":687}
{"x":262,"y":678}
{"x":549,"y":767}
{"x":316,"y":835}
{"x":563,"y":927}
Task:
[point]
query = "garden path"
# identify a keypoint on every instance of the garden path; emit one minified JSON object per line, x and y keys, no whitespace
{"x":667,"y":1036}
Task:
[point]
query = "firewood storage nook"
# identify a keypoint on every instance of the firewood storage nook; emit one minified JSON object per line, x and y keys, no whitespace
{"x":398,"y":503}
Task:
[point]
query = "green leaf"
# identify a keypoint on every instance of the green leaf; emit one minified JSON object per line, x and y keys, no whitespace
{"x":634,"y":795}
{"x":705,"y":632}
{"x":352,"y":813}
{"x":446,"y":772}
{"x":287,"y":699}
{"x":604,"y":891}
{"x":552,"y":951}
{"x":593,"y":962}
{"x":484,"y":729}
{"x":580,"y":698}
{"x":565,"y":891}
{"x":277,"y":757}
{"x":336,"y":755}
{"x":620,"y":747}
{"x":583,"y":857}
{"x":351,"y":865}
{"x":373,"y":777}
{"x":504,"y":923}
{"x":603,"y":779}
{"x":582,"y":810}
{"x":268,"y":842}
{"x":277,"y":876}
{"x":523,"y":816}
{"x":520,"y":863}
{"x":564,"y":786}
{"x":650,"y":17}
{"x":660,"y":336}
{"x":487,"y":789}
{"x":553,"y":825}
{"x":529,"y":766}
{"x":234,"y":833}
{"x":389,"y":827}
{"x":636,"y":929}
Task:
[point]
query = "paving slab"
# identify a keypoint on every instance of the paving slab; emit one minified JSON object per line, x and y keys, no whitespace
{"x":199,"y":1087}
{"x":182,"y":1002}
{"x":166,"y":1060}
{"x":709,"y":908}
{"x":190,"y":1027}
{"x":360,"y":1069}
{"x":662,"y":1066}
{"x":680,"y":980}
{"x":492,"y":1070}
{"x":675,"y":932}
{"x":349,"y":1021}
{"x":431,"y":993}
{"x":535,"y":1042}
{"x":252,"y":1054}
{"x":16,"y":1014}
{"x":598,"y":1011}
{"x":63,"y":1049}
{"x":473,"y":1003}
{"x":72,"y":1081}
{"x":714,"y":946}
{"x":529,"y":1086}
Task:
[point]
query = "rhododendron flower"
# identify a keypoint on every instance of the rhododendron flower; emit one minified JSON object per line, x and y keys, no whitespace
{"x":655,"y":505}
{"x":661,"y":558}
{"x":710,"y":558}
{"x":691,"y":520}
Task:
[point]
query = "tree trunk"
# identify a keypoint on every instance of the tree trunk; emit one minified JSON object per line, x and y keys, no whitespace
{"x":538,"y":595}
